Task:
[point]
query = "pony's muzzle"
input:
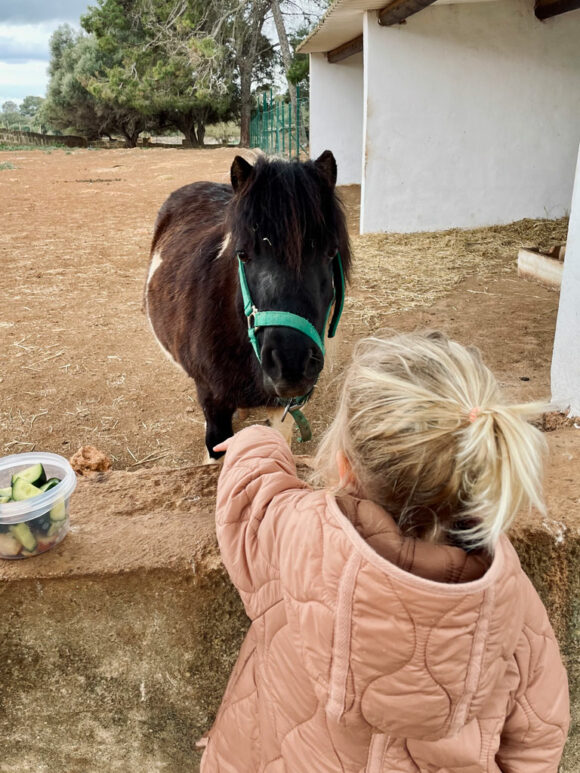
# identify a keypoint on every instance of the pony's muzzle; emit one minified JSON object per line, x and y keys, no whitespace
{"x":291,"y":371}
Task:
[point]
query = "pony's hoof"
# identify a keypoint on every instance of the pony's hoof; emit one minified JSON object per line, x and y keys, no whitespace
{"x":210,"y":460}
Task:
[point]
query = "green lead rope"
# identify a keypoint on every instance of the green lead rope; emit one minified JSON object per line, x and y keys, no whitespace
{"x":257,"y":319}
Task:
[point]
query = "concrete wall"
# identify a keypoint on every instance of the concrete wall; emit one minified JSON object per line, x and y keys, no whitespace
{"x":336,"y":115}
{"x":472,"y":117}
{"x":566,"y":357}
{"x":34,"y":138}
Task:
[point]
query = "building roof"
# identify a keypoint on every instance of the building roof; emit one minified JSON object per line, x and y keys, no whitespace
{"x":344,"y":21}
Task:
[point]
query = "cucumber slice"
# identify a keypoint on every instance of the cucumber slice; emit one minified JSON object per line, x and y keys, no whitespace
{"x":23,"y":534}
{"x":6,"y":492}
{"x":21,"y":489}
{"x":3,"y":500}
{"x":55,"y":529}
{"x":35,"y":475}
{"x":58,"y":512}
{"x":50,"y":483}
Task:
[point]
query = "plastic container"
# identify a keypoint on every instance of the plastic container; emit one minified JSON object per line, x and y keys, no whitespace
{"x":46,"y":532}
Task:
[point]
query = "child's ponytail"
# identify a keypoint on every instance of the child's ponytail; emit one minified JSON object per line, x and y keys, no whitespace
{"x":500,"y":458}
{"x":427,"y":435}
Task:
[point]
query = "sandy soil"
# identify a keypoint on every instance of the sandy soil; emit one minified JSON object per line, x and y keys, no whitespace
{"x":79,"y":366}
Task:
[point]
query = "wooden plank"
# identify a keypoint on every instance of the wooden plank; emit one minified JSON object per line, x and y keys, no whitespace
{"x":354,"y":46}
{"x":545,"y":9}
{"x":399,"y":10}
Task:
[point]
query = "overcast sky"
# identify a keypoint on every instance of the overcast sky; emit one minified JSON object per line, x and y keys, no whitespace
{"x":25,"y":30}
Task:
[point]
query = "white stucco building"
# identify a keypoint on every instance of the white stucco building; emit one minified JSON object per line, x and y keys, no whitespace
{"x":449,"y":113}
{"x":566,"y":355}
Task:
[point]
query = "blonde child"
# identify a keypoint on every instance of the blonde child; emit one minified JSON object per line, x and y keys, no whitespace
{"x":393,"y":628}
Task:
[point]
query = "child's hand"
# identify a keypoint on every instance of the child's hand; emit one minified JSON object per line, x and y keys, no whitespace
{"x":223,"y":446}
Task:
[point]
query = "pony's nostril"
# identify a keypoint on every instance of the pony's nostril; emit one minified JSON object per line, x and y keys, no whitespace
{"x":278,"y":366}
{"x":314,"y":364}
{"x":292,"y":368}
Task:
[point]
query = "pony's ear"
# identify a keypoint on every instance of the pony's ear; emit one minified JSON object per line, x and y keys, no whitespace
{"x":240,"y":172}
{"x":326,"y":165}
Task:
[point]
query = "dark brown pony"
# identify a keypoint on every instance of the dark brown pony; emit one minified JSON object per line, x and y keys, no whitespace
{"x":283,"y":223}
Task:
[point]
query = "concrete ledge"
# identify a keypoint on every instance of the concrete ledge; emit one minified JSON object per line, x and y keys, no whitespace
{"x":533,"y":264}
{"x":116,"y":645}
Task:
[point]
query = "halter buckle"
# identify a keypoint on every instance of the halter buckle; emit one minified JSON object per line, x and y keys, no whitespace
{"x":290,"y":406}
{"x":251,"y":318}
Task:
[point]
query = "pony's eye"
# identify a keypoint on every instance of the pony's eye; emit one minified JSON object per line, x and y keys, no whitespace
{"x":243,"y":256}
{"x":332,"y":253}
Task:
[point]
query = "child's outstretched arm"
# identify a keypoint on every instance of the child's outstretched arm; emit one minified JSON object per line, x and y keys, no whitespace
{"x":255,"y":494}
{"x":535,"y":730}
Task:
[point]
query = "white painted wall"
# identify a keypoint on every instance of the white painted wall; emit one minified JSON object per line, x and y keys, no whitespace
{"x":472,"y":117}
{"x":336,"y":113}
{"x":566,"y":357}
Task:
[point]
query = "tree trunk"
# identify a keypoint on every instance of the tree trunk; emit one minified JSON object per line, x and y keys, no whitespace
{"x":191,"y":135}
{"x":131,"y":136}
{"x":245,"y":105}
{"x":246,"y":59}
{"x":186,"y":125}
{"x":200,"y":133}
{"x":285,"y":50}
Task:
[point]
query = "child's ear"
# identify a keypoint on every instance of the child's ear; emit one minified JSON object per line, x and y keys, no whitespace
{"x":345,"y":475}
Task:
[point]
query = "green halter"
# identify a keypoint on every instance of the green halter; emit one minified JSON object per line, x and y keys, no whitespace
{"x":257,"y":319}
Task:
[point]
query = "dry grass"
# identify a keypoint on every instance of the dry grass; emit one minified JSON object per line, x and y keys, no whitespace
{"x":397,"y":272}
{"x":394,"y":273}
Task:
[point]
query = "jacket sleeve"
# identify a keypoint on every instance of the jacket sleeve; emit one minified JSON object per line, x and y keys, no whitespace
{"x":256,"y":494}
{"x":535,"y":730}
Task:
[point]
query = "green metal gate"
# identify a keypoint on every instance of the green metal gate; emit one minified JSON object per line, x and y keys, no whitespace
{"x":276,"y":129}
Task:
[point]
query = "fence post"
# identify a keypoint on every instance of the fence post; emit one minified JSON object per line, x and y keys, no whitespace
{"x":272,"y":127}
{"x":297,"y":121}
{"x":264,"y":120}
{"x":283,"y":130}
{"x":290,"y":117}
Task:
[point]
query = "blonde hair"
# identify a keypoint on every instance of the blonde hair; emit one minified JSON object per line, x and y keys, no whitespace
{"x":427,"y":435}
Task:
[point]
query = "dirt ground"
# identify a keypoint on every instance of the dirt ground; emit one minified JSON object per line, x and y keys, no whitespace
{"x":79,"y":365}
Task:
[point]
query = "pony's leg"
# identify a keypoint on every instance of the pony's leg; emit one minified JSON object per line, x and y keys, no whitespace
{"x":218,"y":427}
{"x":286,"y":427}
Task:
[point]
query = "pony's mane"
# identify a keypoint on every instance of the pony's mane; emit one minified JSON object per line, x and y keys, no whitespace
{"x":292,"y":204}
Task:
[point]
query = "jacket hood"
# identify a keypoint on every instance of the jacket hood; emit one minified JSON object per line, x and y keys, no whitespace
{"x":423,"y":633}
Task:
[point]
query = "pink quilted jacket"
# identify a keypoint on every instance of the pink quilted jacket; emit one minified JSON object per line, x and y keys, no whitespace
{"x":369,"y":651}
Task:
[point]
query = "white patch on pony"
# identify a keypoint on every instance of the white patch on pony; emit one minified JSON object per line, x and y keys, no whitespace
{"x":163,"y":349}
{"x":225,"y":244}
{"x":156,"y":261}
{"x":286,"y":427}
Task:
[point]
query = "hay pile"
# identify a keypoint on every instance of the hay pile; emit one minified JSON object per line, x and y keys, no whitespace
{"x":396,"y":272}
{"x":403,"y":272}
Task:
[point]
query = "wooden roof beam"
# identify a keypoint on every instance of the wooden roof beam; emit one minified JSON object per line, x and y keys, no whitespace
{"x":399,"y":10}
{"x":545,"y":9}
{"x":354,"y":46}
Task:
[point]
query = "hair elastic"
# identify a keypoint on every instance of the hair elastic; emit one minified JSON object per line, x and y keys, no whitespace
{"x":474,"y":413}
